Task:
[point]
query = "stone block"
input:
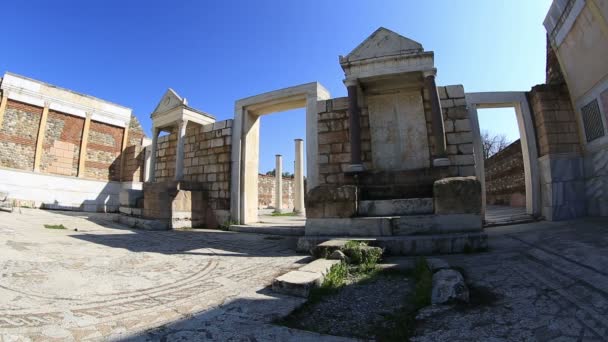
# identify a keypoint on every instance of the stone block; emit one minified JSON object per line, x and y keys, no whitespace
{"x":396,"y":207}
{"x":320,"y":266}
{"x":358,"y":226}
{"x":297,"y":283}
{"x":443,"y":95}
{"x":448,"y":126}
{"x":455,"y":91}
{"x":449,"y":286}
{"x":457,"y":195}
{"x":465,"y":148}
{"x":331,"y":201}
{"x":462,"y":125}
{"x":462,"y":159}
{"x":459,"y":138}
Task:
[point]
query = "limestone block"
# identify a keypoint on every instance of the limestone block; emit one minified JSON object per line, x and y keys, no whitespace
{"x":457,"y":195}
{"x":331,"y":201}
{"x":462,"y":159}
{"x":442,"y":93}
{"x":462,"y":125}
{"x":455,"y":91}
{"x":449,"y":286}
{"x":297,"y":283}
{"x":396,"y":207}
{"x":320,"y":266}
{"x":459,"y":112}
{"x":358,"y":226}
{"x":465,"y":148}
{"x":459,"y":138}
{"x":448,"y":126}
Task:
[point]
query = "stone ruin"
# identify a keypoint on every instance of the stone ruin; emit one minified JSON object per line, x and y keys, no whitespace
{"x":394,"y":159}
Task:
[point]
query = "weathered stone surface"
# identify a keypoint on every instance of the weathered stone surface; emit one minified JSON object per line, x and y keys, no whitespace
{"x":357,"y":226}
{"x":455,"y":91}
{"x":322,"y":249}
{"x":327,"y":201}
{"x":130,"y":197}
{"x":436,"y":264}
{"x":297,"y":283}
{"x":396,"y":207}
{"x":337,"y":255}
{"x":449,"y":286}
{"x":320,"y":266}
{"x":457,"y":195}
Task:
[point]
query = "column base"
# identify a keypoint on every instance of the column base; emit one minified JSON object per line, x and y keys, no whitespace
{"x":441,"y":162}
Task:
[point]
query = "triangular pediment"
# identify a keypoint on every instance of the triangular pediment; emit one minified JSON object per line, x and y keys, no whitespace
{"x":169,"y":101}
{"x":384,"y":42}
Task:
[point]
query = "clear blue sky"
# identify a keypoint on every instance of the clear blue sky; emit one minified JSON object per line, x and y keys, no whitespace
{"x":215,"y":52}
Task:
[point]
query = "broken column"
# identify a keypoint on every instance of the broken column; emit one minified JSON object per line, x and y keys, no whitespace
{"x":278,"y":188}
{"x":299,"y":178}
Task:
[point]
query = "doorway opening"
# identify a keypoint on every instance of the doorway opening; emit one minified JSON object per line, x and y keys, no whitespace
{"x":507,"y":166}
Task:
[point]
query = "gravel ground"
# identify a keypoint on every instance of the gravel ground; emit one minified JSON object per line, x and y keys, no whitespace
{"x":358,"y":309}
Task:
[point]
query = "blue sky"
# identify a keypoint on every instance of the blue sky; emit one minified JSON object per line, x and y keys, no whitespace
{"x":215,"y":52}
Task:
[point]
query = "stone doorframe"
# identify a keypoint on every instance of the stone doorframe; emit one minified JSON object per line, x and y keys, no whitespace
{"x":519,"y":102}
{"x":245,"y":142}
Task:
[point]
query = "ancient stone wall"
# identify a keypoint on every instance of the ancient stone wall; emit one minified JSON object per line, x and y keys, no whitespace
{"x":61,"y":147}
{"x":207,"y":152}
{"x":334,"y":145}
{"x":457,"y":125}
{"x":505,"y":181}
{"x":266,"y":192}
{"x":554,"y":119}
{"x":134,"y":153}
{"x":103,"y":152}
{"x":18,"y":135}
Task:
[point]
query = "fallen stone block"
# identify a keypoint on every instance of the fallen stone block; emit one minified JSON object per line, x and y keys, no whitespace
{"x":320,"y":266}
{"x":457,"y":195}
{"x":297,"y":283}
{"x":449,"y":286}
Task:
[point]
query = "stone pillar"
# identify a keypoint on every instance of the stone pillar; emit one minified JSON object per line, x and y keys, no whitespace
{"x":278,"y":186}
{"x":147,"y":150}
{"x":3,"y":107}
{"x":125,"y":141}
{"x":83,"y":146}
{"x":40,"y":139}
{"x":437,"y":120}
{"x":354,"y":126}
{"x":152,"y":168}
{"x":179,"y":154}
{"x":299,"y":178}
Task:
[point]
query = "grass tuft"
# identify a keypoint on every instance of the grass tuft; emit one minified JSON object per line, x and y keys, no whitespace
{"x":54,"y":226}
{"x":283,"y":214}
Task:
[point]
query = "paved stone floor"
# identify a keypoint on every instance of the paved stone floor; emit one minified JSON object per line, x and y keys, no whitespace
{"x":539,"y":282}
{"x":546,"y":281}
{"x":107,"y":282}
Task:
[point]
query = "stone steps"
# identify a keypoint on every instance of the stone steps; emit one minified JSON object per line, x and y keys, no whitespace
{"x":396,"y":207}
{"x":394,"y":225}
{"x":270,"y":230}
{"x":410,"y":245}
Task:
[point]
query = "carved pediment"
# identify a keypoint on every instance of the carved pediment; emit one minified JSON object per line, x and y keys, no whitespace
{"x":169,"y":101}
{"x":383,"y":42}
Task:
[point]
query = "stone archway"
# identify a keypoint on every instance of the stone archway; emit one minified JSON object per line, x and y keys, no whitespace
{"x":245,"y":142}
{"x":519,"y":102}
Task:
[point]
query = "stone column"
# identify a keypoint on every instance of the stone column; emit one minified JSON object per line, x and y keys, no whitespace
{"x":40,"y":139}
{"x":278,"y":185}
{"x":354,"y":126}
{"x":147,"y":150}
{"x":179,"y":154}
{"x":125,"y":141}
{"x":299,"y":178}
{"x":3,"y":107}
{"x":83,"y":146}
{"x":437,"y":120}
{"x":152,"y":168}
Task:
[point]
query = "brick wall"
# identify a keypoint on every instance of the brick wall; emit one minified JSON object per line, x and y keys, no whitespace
{"x":266,"y":192}
{"x":207,"y":153}
{"x":334,"y":143}
{"x":457,"y":125}
{"x":18,"y":135}
{"x":134,"y":154}
{"x":554,"y":118}
{"x":103,"y":152}
{"x":505,"y":181}
{"x":61,"y":146}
